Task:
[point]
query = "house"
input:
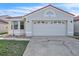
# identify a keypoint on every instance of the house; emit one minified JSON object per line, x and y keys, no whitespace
{"x":46,"y":21}
{"x":76,"y":25}
{"x":3,"y":24}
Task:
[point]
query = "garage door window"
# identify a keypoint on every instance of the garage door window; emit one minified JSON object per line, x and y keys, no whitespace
{"x":51,"y":22}
{"x":46,"y":22}
{"x":34,"y":22}
{"x":63,"y":22}
{"x":55,"y":21}
{"x":59,"y":21}
{"x":43,"y":22}
{"x":38,"y":22}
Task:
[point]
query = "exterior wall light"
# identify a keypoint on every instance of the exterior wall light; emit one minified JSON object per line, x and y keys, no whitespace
{"x":24,"y":19}
{"x":71,"y":21}
{"x":27,"y":21}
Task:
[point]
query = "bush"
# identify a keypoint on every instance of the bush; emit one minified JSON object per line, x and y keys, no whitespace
{"x":3,"y":33}
{"x":76,"y":34}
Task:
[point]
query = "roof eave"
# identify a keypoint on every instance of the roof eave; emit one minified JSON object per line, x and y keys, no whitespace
{"x":51,"y":6}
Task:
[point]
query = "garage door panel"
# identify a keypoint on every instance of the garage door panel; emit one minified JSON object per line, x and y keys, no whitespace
{"x":49,"y":29}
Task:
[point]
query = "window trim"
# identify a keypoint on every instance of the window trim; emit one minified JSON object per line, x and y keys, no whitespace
{"x":13,"y":25}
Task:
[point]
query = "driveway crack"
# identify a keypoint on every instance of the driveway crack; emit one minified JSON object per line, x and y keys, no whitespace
{"x":68,"y":48}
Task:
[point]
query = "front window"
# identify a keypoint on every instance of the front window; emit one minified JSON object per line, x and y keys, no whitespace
{"x":21,"y":25}
{"x":15,"y":24}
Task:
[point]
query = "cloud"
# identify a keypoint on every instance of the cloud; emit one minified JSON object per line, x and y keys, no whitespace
{"x":70,"y":7}
{"x":73,"y":8}
{"x":19,"y":11}
{"x":30,"y":9}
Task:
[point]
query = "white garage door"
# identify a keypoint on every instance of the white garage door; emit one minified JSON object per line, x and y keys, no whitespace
{"x":49,"y":27}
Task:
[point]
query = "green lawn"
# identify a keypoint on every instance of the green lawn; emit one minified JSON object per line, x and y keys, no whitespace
{"x":12,"y":47}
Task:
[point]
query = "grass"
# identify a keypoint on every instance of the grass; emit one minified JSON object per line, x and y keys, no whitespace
{"x":12,"y":48}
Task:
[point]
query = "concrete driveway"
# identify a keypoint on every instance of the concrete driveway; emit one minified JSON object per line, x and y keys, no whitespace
{"x":52,"y":46}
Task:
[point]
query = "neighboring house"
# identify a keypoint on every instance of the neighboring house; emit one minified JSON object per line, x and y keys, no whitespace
{"x":4,"y":17}
{"x":76,"y":25}
{"x":3,"y":26}
{"x":47,"y":21}
{"x":3,"y":23}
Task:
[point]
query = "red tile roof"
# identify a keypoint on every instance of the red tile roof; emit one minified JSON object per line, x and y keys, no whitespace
{"x":51,"y":6}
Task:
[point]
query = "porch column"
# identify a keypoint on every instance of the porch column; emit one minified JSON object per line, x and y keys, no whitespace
{"x":19,"y":27}
{"x":28,"y":28}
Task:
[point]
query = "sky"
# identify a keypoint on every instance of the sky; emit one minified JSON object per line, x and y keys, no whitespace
{"x":20,"y":9}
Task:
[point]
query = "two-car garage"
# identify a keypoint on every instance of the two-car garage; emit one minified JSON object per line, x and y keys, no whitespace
{"x":49,"y":27}
{"x":49,"y":21}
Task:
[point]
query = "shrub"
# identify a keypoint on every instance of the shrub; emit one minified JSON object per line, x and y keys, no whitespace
{"x":3,"y":33}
